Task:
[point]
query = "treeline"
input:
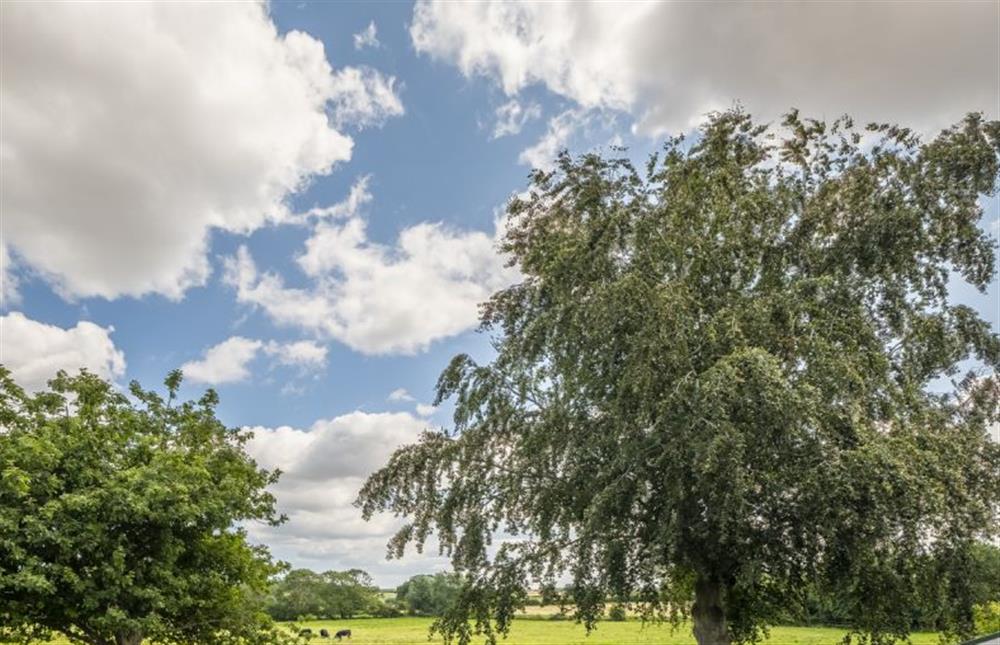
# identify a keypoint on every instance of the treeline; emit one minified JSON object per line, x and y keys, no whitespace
{"x":302,"y":594}
{"x":820,"y":606}
{"x":305,"y":595}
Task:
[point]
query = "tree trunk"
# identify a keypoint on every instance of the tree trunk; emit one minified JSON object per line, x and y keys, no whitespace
{"x":128,"y":638}
{"x":709,"y":616}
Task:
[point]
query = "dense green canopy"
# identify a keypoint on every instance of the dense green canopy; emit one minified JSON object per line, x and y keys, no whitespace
{"x":429,"y":595}
{"x":117,"y":519}
{"x":302,"y":594}
{"x":712,"y":385}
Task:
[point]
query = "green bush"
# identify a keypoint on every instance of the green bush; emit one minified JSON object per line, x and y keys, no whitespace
{"x":388,"y":609}
{"x":302,"y":593}
{"x":429,"y":595}
{"x":617,"y":613}
{"x":986,"y":617}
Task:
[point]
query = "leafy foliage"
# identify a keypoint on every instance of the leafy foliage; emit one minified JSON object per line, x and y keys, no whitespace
{"x":617,"y":613}
{"x":711,"y":384}
{"x":987,"y":618}
{"x":117,"y":518}
{"x":826,"y":606}
{"x":429,"y":595}
{"x":332,"y":594}
{"x":986,"y":573}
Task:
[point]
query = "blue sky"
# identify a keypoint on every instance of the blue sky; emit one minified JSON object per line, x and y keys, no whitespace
{"x":159,"y":163}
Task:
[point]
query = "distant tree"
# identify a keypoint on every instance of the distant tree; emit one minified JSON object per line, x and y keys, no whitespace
{"x":118,"y":518}
{"x":429,"y":595}
{"x":830,"y":606}
{"x":711,"y":384}
{"x":298,"y":594}
{"x":333,"y":594}
{"x":985,"y":573}
{"x":349,"y":593}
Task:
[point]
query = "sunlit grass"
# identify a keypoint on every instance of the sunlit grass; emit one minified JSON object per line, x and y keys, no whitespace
{"x":564,"y":632}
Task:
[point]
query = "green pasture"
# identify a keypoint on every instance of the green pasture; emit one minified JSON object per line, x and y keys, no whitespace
{"x":536,"y":631}
{"x":566,"y":632}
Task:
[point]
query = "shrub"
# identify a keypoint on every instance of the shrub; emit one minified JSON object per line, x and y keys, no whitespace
{"x":387,"y":609}
{"x":986,"y":617}
{"x":617,"y":613}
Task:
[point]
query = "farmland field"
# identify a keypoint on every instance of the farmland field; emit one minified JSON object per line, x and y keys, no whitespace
{"x":399,"y":631}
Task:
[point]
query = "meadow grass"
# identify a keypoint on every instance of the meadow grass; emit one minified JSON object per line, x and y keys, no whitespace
{"x":399,"y":631}
{"x":565,"y":632}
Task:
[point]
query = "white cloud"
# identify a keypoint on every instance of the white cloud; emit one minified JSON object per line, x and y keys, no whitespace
{"x":349,"y":207}
{"x":34,"y":351}
{"x":351,"y":445}
{"x":363,"y":97}
{"x":380,"y":299}
{"x":422,"y":409}
{"x":303,"y":353}
{"x":323,"y":469}
{"x":519,"y":44}
{"x":129,"y":135}
{"x":227,"y":362}
{"x":512,"y":115}
{"x":668,"y":63}
{"x":561,"y":128}
{"x":9,"y":283}
{"x":400,"y":394}
{"x":367,"y":37}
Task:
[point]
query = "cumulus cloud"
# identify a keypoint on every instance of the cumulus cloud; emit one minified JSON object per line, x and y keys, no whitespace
{"x":349,"y":207}
{"x":425,"y":410}
{"x":377,"y":298}
{"x":519,"y":44}
{"x":561,"y":128}
{"x":9,"y":283}
{"x":922,"y":64}
{"x":363,"y":97}
{"x":367,"y":37}
{"x":400,"y":394}
{"x":34,"y":351}
{"x":301,"y":353}
{"x":323,"y":469}
{"x":512,"y":115}
{"x":349,"y":446}
{"x":229,"y":361}
{"x":129,"y":135}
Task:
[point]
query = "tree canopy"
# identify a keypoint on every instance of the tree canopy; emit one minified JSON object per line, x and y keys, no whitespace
{"x":119,"y":516}
{"x":429,"y":595}
{"x":711,"y":385}
{"x":331,"y":594}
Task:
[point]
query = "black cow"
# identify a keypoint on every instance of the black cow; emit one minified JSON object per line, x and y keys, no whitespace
{"x":342,"y":633}
{"x":324,"y":634}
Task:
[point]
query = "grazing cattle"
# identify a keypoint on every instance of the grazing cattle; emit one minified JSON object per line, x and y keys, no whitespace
{"x":306,"y":632}
{"x":324,"y":634}
{"x":342,"y":633}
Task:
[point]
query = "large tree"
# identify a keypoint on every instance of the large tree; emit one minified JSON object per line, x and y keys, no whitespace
{"x":712,"y":386}
{"x":118,"y":518}
{"x":429,"y":595}
{"x":332,"y":594}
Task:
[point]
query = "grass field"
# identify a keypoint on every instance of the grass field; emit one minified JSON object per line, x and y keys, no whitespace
{"x":565,"y":632}
{"x":398,"y":631}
